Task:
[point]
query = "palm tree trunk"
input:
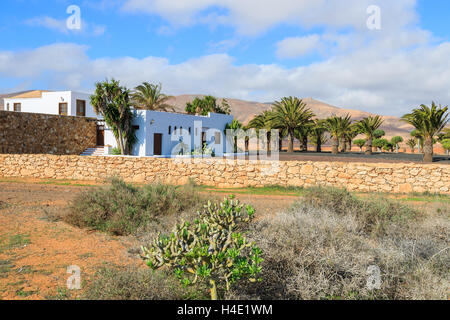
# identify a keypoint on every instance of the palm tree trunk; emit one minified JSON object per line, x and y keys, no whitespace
{"x":319,"y":145}
{"x":280,"y":138}
{"x":305,"y":143}
{"x":335,"y":146}
{"x":428,"y":150}
{"x":291,"y":141}
{"x":269,"y":138}
{"x":343,"y":145}
{"x":369,"y":146}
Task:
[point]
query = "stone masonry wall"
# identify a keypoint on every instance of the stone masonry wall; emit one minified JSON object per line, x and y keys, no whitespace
{"x":33,"y":133}
{"x":374,"y":177}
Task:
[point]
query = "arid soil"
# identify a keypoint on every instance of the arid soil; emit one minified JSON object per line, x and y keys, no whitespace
{"x":35,"y":251}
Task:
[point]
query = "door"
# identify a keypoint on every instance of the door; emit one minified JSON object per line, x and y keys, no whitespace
{"x":100,"y":136}
{"x":157,"y":144}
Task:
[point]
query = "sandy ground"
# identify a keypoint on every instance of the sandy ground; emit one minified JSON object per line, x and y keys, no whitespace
{"x":35,"y":252}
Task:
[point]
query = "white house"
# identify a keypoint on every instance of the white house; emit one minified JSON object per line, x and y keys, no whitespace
{"x":67,"y":103}
{"x":158,"y":133}
{"x":171,"y":134}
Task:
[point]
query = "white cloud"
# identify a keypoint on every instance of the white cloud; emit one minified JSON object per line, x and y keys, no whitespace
{"x":298,"y":46}
{"x":255,"y":16}
{"x":366,"y":79}
{"x":59,"y":25}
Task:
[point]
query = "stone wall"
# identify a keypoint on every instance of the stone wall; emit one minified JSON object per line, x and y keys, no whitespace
{"x":33,"y":133}
{"x":374,"y":177}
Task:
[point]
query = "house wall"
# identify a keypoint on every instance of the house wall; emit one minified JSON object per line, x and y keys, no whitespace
{"x":33,"y":133}
{"x":363,"y":177}
{"x":49,"y":103}
{"x":151,"y":122}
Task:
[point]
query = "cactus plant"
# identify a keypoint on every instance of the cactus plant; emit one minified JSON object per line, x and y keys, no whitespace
{"x":211,"y":249}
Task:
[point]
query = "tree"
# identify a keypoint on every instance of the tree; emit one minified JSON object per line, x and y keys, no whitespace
{"x":262,"y":121}
{"x":446,"y":145}
{"x":378,"y":134}
{"x":379,"y":143}
{"x":412,"y":144}
{"x":419,"y":139}
{"x":317,"y":134}
{"x":333,"y":126}
{"x":360,"y":143}
{"x":302,"y":133}
{"x":368,"y":126}
{"x":148,"y":96}
{"x":429,"y":122}
{"x":208,"y":104}
{"x":289,"y":114}
{"x":113,"y":102}
{"x":395,"y":141}
{"x":235,"y":126}
{"x":352,"y":133}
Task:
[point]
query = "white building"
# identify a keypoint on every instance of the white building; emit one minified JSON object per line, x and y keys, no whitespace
{"x":158,"y":133}
{"x":169,"y":134}
{"x":67,"y":103}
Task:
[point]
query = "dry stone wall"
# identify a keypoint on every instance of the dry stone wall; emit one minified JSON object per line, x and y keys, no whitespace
{"x":34,"y":133}
{"x":372,"y":177}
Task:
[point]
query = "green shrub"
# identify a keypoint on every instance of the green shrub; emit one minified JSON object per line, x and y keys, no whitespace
{"x":138,"y":284}
{"x":121,"y":208}
{"x":211,"y":250}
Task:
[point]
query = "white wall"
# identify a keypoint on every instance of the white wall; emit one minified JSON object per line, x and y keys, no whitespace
{"x":49,"y":103}
{"x":151,"y":122}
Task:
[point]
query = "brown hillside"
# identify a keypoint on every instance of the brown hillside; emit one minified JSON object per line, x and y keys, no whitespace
{"x":244,"y":111}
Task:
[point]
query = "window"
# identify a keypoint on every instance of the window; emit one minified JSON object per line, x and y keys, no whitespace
{"x":217,"y":137}
{"x":181,"y":130}
{"x":189,"y":130}
{"x":17,"y":107}
{"x":63,"y":109}
{"x":170,"y":129}
{"x":136,"y":128}
{"x":175,"y":130}
{"x":81,"y":108}
{"x":7,"y":107}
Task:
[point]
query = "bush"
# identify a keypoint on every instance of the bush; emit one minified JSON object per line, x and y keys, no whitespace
{"x":209,"y":251}
{"x":322,"y":248}
{"x":373,"y":215}
{"x":137,"y":284}
{"x":122,"y":209}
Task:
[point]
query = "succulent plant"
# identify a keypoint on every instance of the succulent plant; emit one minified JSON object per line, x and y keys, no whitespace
{"x":211,"y":249}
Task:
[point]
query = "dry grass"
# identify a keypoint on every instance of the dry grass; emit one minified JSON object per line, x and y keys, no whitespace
{"x":322,"y":248}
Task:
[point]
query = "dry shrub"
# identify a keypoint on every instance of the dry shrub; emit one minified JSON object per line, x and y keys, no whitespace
{"x":138,"y":284}
{"x":322,"y":250}
{"x":123,"y":209}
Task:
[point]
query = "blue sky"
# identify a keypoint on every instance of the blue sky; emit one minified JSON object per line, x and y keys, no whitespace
{"x":255,"y":50}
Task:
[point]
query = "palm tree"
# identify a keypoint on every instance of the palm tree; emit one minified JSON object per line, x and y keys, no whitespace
{"x":345,"y":124}
{"x":429,"y":122}
{"x":148,"y":96}
{"x":368,"y":126}
{"x":235,"y":126}
{"x":352,"y":133}
{"x":112,"y":102}
{"x":334,"y":128}
{"x":317,"y":134}
{"x":302,"y":133}
{"x":263,"y":121}
{"x":412,"y":144}
{"x":289,"y":114}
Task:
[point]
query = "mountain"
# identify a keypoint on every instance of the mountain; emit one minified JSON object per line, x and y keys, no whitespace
{"x":244,"y":111}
